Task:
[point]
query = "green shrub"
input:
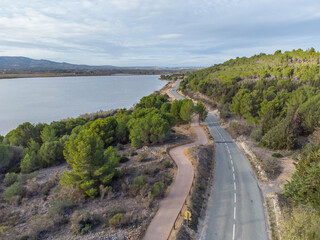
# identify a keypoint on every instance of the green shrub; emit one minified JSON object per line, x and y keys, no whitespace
{"x":51,"y":153}
{"x":140,"y":181}
{"x":10,"y":178}
{"x":158,"y":189}
{"x":166,"y":164}
{"x":115,"y":221}
{"x":5,"y":155}
{"x":142,"y":157}
{"x":83,"y":222}
{"x":60,"y":206}
{"x":29,"y":163}
{"x":22,"y":178}
{"x":123,"y":159}
{"x":277,"y":155}
{"x":272,"y":166}
{"x":257,"y":134}
{"x":15,"y":189}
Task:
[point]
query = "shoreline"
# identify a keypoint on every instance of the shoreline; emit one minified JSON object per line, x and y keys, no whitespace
{"x":162,"y":90}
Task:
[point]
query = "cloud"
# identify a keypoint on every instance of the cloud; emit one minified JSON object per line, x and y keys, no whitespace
{"x":163,"y":32}
{"x":171,"y":35}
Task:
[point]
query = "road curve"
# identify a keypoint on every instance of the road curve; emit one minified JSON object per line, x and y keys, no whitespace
{"x":169,"y":208}
{"x":235,"y":208}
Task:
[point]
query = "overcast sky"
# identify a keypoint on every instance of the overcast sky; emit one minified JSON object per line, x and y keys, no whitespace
{"x":155,"y":32}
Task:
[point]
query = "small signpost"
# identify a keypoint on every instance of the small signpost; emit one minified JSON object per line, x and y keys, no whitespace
{"x":187,"y":216}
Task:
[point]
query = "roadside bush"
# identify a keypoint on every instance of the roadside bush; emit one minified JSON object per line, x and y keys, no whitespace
{"x":22,"y":178}
{"x":15,"y":189}
{"x":142,"y":157}
{"x":257,"y":134}
{"x":83,"y":222}
{"x":239,"y":128}
{"x":272,"y":166}
{"x":157,"y":189}
{"x":9,"y":179}
{"x":123,"y":159}
{"x":115,"y":221}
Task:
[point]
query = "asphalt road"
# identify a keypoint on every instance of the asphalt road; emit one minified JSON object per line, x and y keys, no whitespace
{"x":235,"y":208}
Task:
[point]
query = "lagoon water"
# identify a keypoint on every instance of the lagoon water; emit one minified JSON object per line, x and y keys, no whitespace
{"x":47,"y":99}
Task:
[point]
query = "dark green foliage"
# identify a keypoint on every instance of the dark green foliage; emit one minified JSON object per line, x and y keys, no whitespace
{"x":91,"y":167}
{"x":304,"y":186}
{"x":263,"y":89}
{"x":106,"y":129}
{"x":186,"y":110}
{"x":5,"y":155}
{"x":83,"y":222}
{"x":152,"y":101}
{"x":256,"y":134}
{"x":277,"y":155}
{"x":284,"y":135}
{"x":21,"y":135}
{"x":175,"y":108}
{"x":165,"y":108}
{"x":158,"y":189}
{"x":10,"y":178}
{"x":48,"y":134}
{"x":149,"y":126}
{"x":201,"y":110}
{"x":1,"y":138}
{"x":115,"y":221}
{"x":50,"y":153}
{"x":29,"y":162}
{"x":15,"y":189}
{"x":71,"y":124}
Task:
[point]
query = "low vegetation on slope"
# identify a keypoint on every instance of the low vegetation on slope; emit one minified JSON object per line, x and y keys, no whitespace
{"x":94,"y":149}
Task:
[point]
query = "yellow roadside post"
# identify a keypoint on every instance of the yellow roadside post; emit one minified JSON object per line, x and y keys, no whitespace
{"x":187,"y":216}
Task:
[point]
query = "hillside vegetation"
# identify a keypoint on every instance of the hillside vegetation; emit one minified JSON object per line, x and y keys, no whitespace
{"x":279,"y":96}
{"x":93,"y":146}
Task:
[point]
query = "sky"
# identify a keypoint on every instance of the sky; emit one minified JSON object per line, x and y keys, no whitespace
{"x":170,"y":33}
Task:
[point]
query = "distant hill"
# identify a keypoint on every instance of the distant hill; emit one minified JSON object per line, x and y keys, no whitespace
{"x":23,"y":65}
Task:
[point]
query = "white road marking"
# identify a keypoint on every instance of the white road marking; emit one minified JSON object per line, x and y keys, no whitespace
{"x":234,"y":212}
{"x":234,"y":231}
{"x":235,"y":197}
{"x":234,"y":177}
{"x":234,"y":186}
{"x":231,"y":162}
{"x":232,"y":168}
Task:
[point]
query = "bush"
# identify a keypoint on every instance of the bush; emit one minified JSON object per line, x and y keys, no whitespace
{"x":256,"y":134}
{"x":15,"y":189}
{"x":166,"y":164}
{"x":272,"y":166}
{"x":5,"y":156}
{"x":82,"y":223}
{"x":115,"y":221}
{"x":10,"y":178}
{"x":123,"y":159}
{"x":29,"y":163}
{"x":142,"y":157}
{"x":138,"y":184}
{"x":60,"y":206}
{"x":157,"y":189}
{"x":51,"y":153}
{"x":277,"y":155}
{"x":22,"y":178}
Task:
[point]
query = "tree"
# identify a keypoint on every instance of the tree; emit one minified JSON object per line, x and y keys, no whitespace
{"x":29,"y":163}
{"x":5,"y":155}
{"x":201,"y":110}
{"x":106,"y":129}
{"x":90,"y":166}
{"x":186,"y":110}
{"x":175,"y":108}
{"x":48,"y":134}
{"x":21,"y":135}
{"x":51,"y":153}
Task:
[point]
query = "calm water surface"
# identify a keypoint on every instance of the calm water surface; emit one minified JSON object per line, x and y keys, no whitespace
{"x":47,"y":99}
